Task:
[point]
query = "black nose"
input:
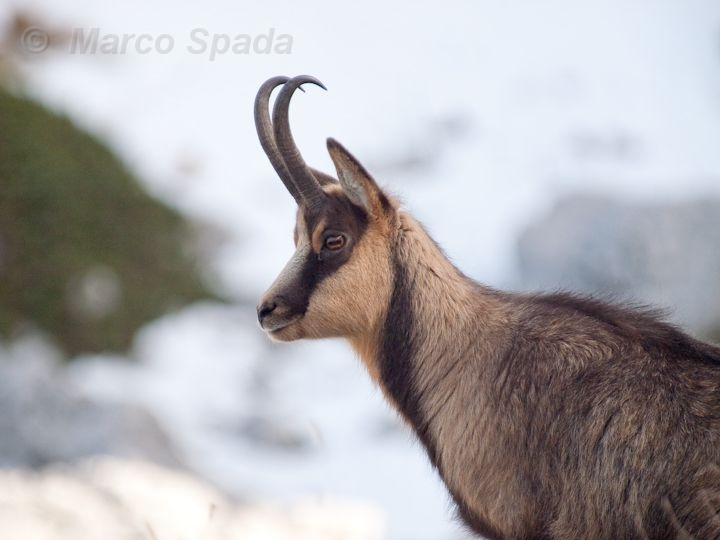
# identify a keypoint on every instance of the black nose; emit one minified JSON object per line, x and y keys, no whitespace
{"x":265,"y":309}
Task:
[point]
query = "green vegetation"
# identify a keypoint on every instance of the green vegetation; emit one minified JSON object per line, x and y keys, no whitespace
{"x":86,"y":256}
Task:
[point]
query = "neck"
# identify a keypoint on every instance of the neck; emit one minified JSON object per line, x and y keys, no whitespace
{"x":433,"y":316}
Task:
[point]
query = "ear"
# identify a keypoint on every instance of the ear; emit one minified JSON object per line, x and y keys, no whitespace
{"x":355,"y":181}
{"x":323,"y":178}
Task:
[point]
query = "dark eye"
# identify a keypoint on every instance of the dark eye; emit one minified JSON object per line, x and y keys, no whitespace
{"x":334,"y":242}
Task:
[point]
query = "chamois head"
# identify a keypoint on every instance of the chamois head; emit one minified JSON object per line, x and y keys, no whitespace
{"x":338,"y":281}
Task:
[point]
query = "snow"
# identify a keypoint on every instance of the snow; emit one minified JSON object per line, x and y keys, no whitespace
{"x":117,"y":499}
{"x":205,"y":373}
{"x":504,"y":106}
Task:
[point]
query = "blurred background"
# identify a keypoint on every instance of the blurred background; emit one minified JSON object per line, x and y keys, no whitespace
{"x":545,"y":144}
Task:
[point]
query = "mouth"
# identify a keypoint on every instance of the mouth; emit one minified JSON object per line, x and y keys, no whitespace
{"x":274,"y":325}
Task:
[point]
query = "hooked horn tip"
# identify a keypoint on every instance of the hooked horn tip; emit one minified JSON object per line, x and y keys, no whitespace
{"x":303,"y":79}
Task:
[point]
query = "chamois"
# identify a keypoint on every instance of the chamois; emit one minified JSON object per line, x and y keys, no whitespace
{"x":546,"y":415}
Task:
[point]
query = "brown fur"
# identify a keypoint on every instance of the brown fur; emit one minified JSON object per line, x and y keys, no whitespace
{"x":547,"y":416}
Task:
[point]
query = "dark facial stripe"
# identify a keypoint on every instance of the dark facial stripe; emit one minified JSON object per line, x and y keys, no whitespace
{"x":314,"y":270}
{"x":338,"y":214}
{"x":397,"y":357}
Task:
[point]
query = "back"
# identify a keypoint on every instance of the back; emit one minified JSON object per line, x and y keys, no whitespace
{"x":619,"y":414}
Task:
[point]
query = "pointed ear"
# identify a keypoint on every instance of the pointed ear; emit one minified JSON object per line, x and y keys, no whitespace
{"x":323,"y":178}
{"x":355,"y":181}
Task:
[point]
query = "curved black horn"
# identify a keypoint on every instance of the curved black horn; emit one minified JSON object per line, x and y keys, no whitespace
{"x":266,"y":136}
{"x":306,"y":183}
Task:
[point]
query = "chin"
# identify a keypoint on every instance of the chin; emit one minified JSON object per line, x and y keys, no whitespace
{"x":291,"y":332}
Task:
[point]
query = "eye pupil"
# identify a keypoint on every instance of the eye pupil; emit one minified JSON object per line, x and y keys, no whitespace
{"x":335,"y":242}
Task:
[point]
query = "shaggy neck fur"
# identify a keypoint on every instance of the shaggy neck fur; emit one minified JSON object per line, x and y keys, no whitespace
{"x":419,"y":353}
{"x":425,"y":353}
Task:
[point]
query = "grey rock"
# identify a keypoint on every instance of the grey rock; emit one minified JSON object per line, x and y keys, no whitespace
{"x":666,"y":255}
{"x":278,"y":433}
{"x":44,"y":418}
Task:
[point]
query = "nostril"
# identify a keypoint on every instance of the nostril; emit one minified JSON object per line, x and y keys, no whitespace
{"x":265,"y":309}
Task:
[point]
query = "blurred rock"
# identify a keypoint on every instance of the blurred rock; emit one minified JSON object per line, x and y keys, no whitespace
{"x":667,"y":255}
{"x":45,"y":418}
{"x":115,"y":499}
{"x":278,"y":433}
